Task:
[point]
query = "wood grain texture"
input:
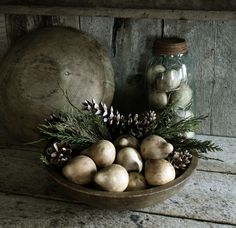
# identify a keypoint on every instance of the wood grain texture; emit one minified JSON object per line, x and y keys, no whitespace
{"x":21,"y":211}
{"x":201,"y":43}
{"x":3,"y":50}
{"x":101,"y":28}
{"x":138,"y":4}
{"x":212,"y":53}
{"x":209,"y":196}
{"x":3,"y":36}
{"x":119,"y":12}
{"x":228,"y":165}
{"x":223,"y":105}
{"x":18,"y":25}
{"x":133,"y":49}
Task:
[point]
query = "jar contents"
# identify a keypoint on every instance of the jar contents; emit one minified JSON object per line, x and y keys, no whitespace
{"x":167,"y":78}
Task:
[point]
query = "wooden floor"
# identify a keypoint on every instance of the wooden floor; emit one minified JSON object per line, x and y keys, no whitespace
{"x":28,"y":198}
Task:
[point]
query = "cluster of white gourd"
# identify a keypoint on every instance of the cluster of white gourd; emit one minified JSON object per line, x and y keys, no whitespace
{"x":170,"y":85}
{"x":123,"y":166}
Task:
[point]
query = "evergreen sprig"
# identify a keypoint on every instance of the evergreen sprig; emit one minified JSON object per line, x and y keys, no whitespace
{"x":77,"y":128}
{"x":195,"y":147}
{"x":175,"y":129}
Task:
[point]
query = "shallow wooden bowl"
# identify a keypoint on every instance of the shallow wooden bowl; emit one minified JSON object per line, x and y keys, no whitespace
{"x":124,"y":200}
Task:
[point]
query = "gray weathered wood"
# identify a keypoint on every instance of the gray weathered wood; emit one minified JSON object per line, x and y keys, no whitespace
{"x":119,"y":12}
{"x":22,"y":211}
{"x":229,"y":164}
{"x":201,"y":43}
{"x":223,"y":105}
{"x":132,"y":50}
{"x":3,"y":36}
{"x":101,"y":28}
{"x":138,"y":4}
{"x":3,"y":50}
{"x":18,"y":25}
{"x":204,"y":10}
{"x":212,"y":54}
{"x":209,"y":196}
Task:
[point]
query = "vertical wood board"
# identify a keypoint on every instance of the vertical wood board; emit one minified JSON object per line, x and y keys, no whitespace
{"x":212,"y":54}
{"x":100,"y":28}
{"x":133,"y":45}
{"x":223,"y":105}
{"x":18,"y":25}
{"x":3,"y":36}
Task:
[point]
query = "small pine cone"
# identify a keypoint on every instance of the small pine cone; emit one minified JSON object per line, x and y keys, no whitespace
{"x":58,"y":153}
{"x":139,"y":125}
{"x":54,"y":118}
{"x":180,"y":160}
{"x":115,"y":122}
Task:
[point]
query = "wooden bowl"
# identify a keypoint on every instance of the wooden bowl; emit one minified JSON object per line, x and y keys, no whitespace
{"x":124,"y":200}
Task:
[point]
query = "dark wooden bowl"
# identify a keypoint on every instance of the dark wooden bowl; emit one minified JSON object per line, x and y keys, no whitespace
{"x":124,"y":200}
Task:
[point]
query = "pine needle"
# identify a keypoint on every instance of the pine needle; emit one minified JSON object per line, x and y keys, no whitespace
{"x":195,"y":147}
{"x":78,"y":129}
{"x":176,"y":129}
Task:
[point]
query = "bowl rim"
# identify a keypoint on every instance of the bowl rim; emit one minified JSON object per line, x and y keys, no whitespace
{"x":129,"y":194}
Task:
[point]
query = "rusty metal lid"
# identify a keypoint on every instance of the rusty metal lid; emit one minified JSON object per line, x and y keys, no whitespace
{"x":170,"y":46}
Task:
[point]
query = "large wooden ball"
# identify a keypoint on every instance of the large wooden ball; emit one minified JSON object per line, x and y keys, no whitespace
{"x":43,"y":64}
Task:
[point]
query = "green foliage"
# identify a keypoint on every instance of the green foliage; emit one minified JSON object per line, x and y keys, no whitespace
{"x":76,"y":128}
{"x":80,"y":129}
{"x":175,"y":129}
{"x":194,"y":146}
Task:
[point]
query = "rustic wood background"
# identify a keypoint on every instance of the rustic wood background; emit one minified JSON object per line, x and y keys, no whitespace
{"x":129,"y":44}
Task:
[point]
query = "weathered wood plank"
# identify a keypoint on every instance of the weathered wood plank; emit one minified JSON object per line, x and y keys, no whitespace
{"x":18,"y":25}
{"x":67,"y":21}
{"x":101,"y":28}
{"x":227,"y":155}
{"x":223,"y":108}
{"x":3,"y":49}
{"x":133,"y":48}
{"x":212,"y":53}
{"x":138,"y":4}
{"x":119,"y":12}
{"x":3,"y":36}
{"x":21,"y":211}
{"x":208,"y":196}
{"x":201,"y":42}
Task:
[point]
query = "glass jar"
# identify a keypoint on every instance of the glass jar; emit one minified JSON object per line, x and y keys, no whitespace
{"x":167,"y":78}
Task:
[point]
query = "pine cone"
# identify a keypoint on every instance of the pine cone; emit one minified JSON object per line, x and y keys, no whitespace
{"x":53,"y":118}
{"x":58,"y":153}
{"x":135,"y":124}
{"x":140,"y":125}
{"x":115,"y":122}
{"x":180,"y":160}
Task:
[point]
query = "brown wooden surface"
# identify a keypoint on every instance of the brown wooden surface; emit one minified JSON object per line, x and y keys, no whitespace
{"x":39,"y":66}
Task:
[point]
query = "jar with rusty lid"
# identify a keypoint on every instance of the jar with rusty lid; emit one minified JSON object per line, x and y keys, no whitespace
{"x":167,"y":77}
